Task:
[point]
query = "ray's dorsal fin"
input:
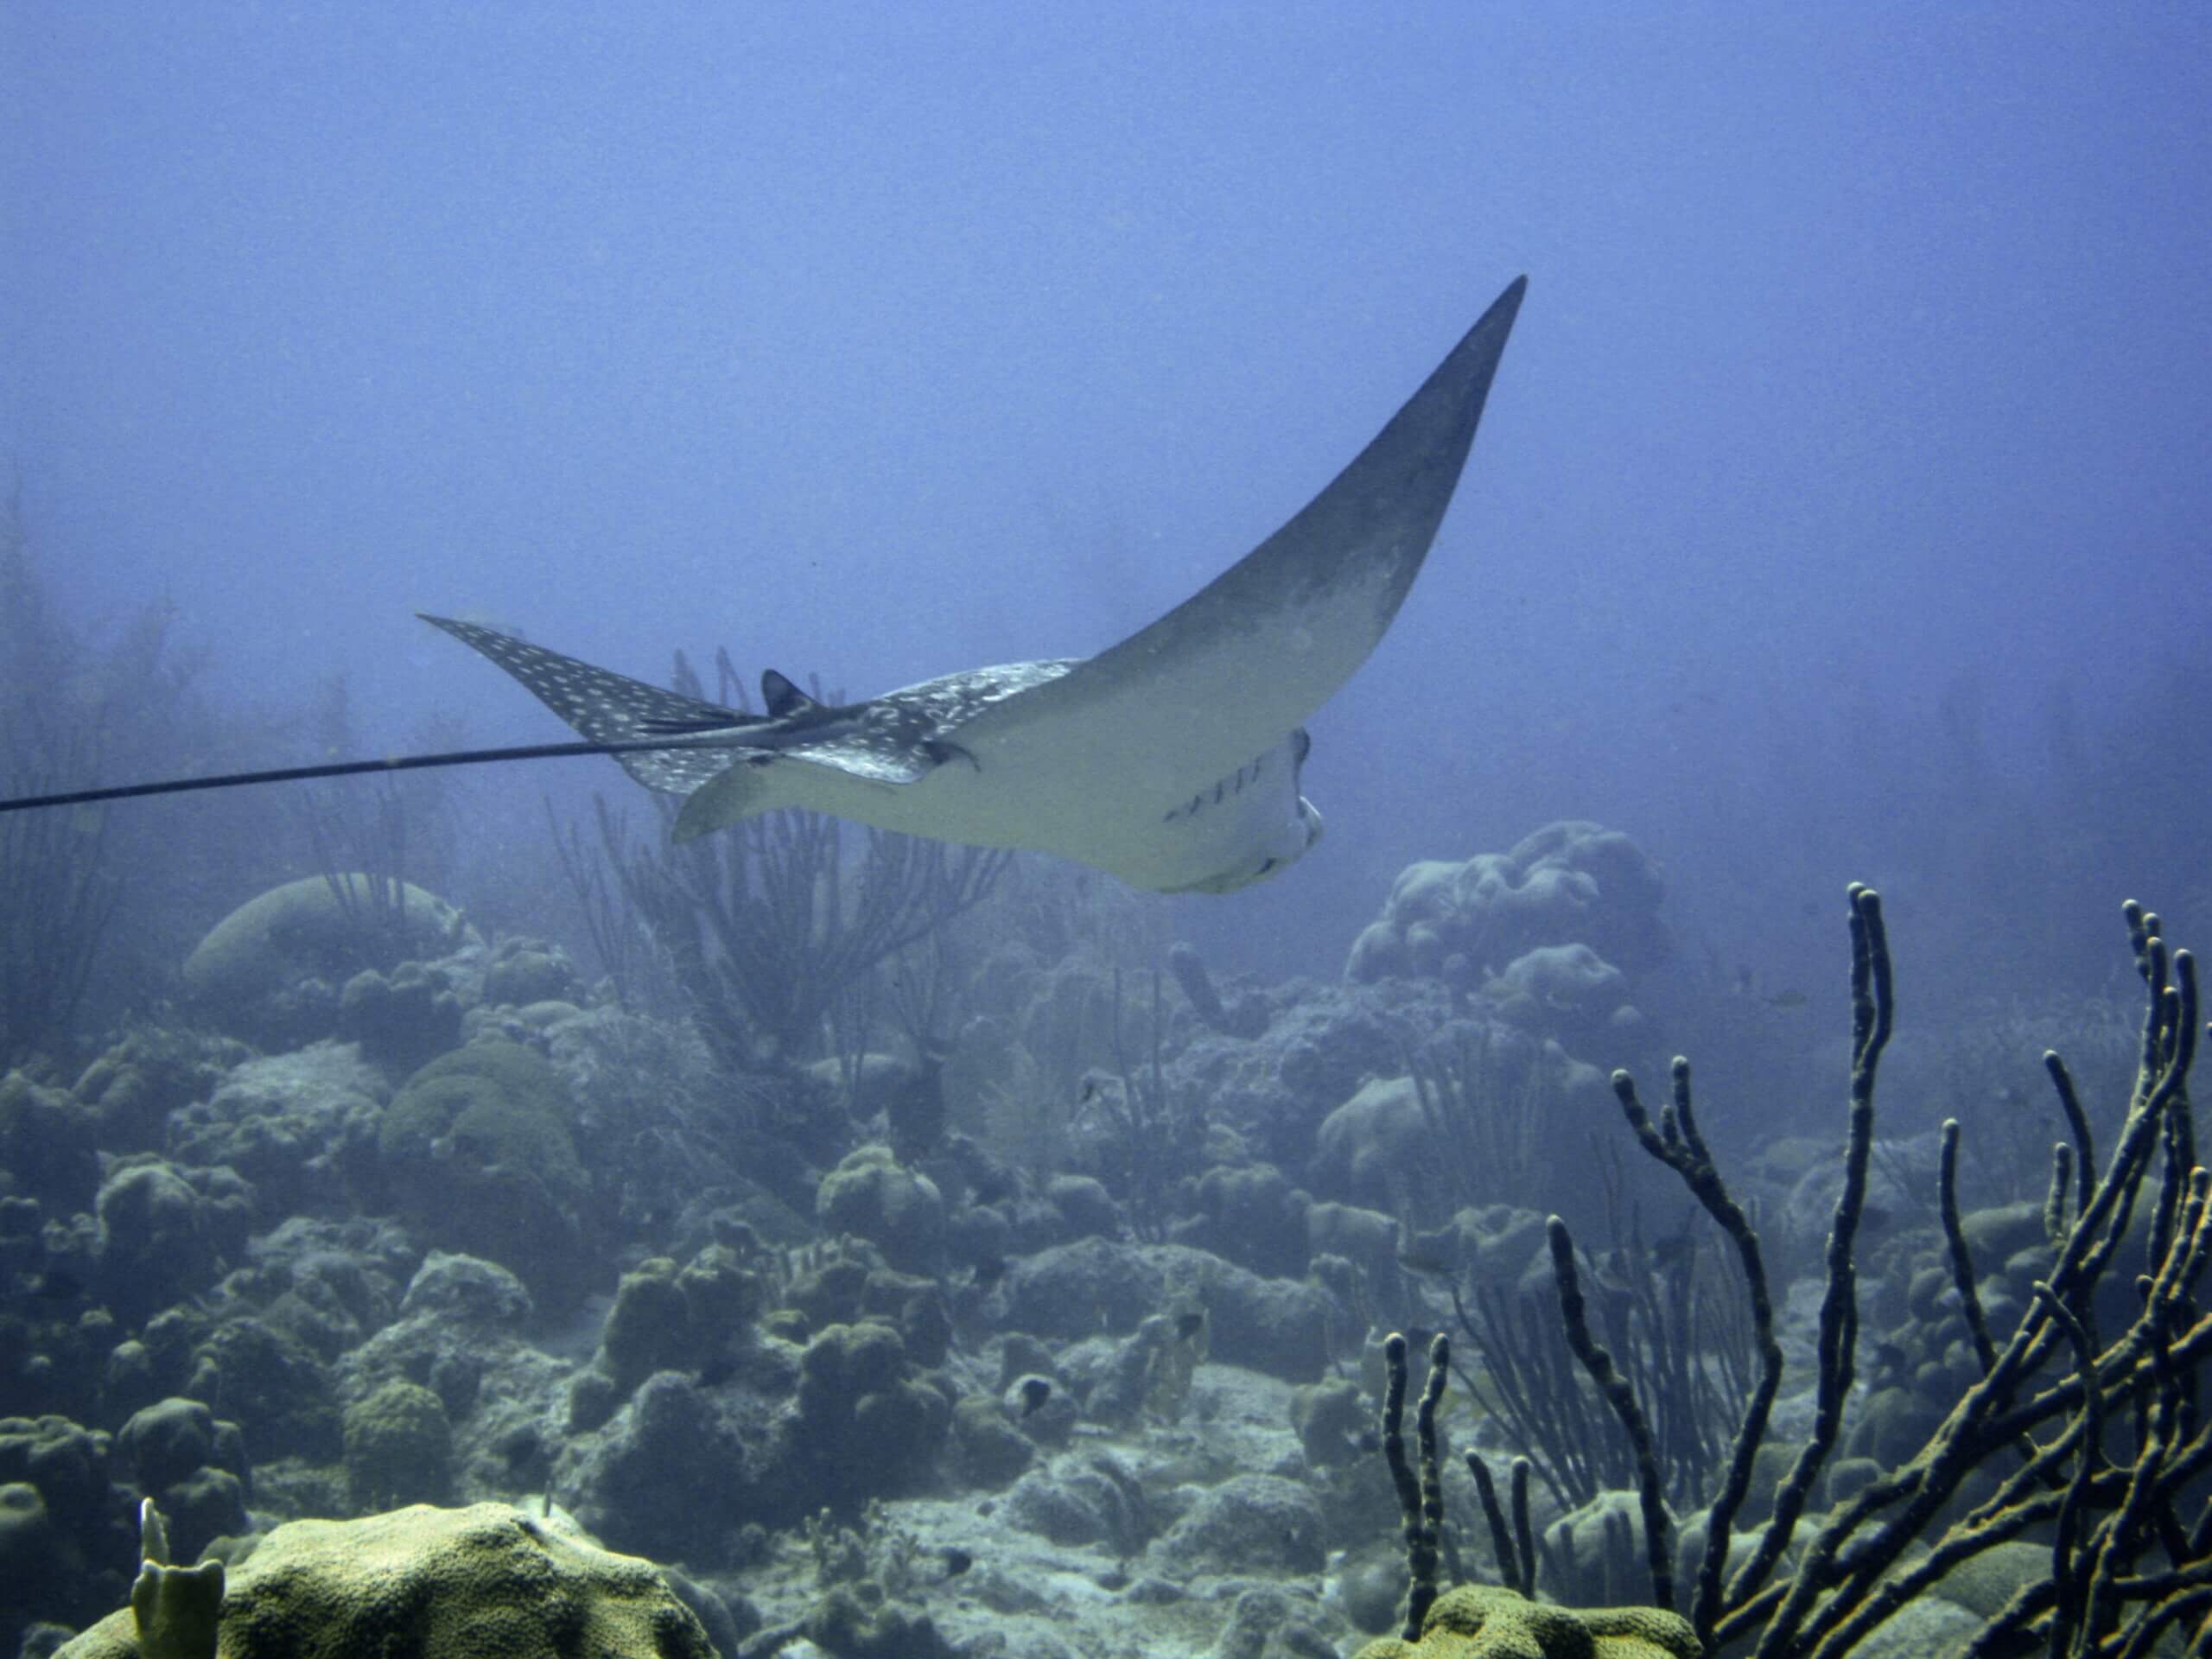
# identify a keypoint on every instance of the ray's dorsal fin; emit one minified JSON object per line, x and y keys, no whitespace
{"x":782,"y":699}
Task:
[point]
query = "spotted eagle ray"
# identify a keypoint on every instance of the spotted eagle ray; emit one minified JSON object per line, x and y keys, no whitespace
{"x":1170,"y":760}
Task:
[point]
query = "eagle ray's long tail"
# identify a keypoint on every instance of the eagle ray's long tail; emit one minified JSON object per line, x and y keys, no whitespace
{"x":666,"y":741}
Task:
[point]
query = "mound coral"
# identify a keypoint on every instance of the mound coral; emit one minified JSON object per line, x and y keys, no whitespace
{"x":477,"y":1148}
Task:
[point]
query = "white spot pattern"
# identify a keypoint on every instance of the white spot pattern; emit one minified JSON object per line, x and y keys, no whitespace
{"x":608,"y":708}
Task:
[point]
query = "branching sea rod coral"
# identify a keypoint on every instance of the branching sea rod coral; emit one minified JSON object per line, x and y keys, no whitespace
{"x":769,"y":925}
{"x":2093,"y":1447}
{"x":56,"y":892}
{"x":1472,"y":1621}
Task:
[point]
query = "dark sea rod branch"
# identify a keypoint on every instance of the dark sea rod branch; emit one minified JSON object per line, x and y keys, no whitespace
{"x":2100,"y":1509}
{"x":1421,"y":1494}
{"x":1857,"y":1599}
{"x":1872,"y":1010}
{"x":1621,"y":1396}
{"x":1677,"y":1144}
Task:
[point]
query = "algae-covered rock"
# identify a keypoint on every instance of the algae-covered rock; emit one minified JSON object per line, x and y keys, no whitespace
{"x":466,"y":1291}
{"x":425,"y":1583}
{"x":1321,"y":1042}
{"x":868,"y":1418}
{"x":271,"y":972}
{"x":667,"y":1319}
{"x":1078,"y":1500}
{"x":1252,"y":1217}
{"x":329,"y":1283}
{"x":1378,"y":1149}
{"x":1367,"y":1237}
{"x":898,"y":1211}
{"x":29,"y":1556}
{"x":1248,"y":1523}
{"x":398,"y":1447}
{"x":193,"y":1466}
{"x":1594,"y":1554}
{"x":1085,"y":1208}
{"x":1382,"y":1148}
{"x":842,"y":1623}
{"x":66,"y":1552}
{"x":403,"y":1019}
{"x":165,"y":1232}
{"x":478,"y":1152}
{"x":1329,"y":1418}
{"x":680,"y":1467}
{"x":1567,"y":992}
{"x":49,"y":1143}
{"x":272,"y":1384}
{"x":1080,"y":1289}
{"x":649,"y":1328}
{"x":525,"y":971}
{"x":988,"y":1449}
{"x":299,"y":1126}
{"x":134,"y":1086}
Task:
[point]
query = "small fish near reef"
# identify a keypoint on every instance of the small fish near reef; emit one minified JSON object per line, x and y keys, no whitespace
{"x":1170,"y":760}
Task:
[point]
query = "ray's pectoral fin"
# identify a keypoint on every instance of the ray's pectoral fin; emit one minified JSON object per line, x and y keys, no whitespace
{"x":938,"y":752}
{"x":731,"y":796}
{"x":1252,"y":654}
{"x":816,"y":769}
{"x":604,"y":707}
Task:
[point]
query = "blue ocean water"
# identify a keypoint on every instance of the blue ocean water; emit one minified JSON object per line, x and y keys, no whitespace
{"x":1840,"y":513}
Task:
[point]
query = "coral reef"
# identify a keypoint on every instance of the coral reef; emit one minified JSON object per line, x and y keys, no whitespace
{"x":64,"y":1535}
{"x":1029,"y":1300}
{"x":273,"y":971}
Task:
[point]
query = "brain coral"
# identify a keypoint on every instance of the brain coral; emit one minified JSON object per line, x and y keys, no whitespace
{"x":1473,"y":1621}
{"x":485,"y":1582}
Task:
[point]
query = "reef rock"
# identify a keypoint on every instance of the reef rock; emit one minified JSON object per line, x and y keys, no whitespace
{"x":1569,"y":882}
{"x":297,"y":1125}
{"x":165,"y":1232}
{"x":901,"y":1213}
